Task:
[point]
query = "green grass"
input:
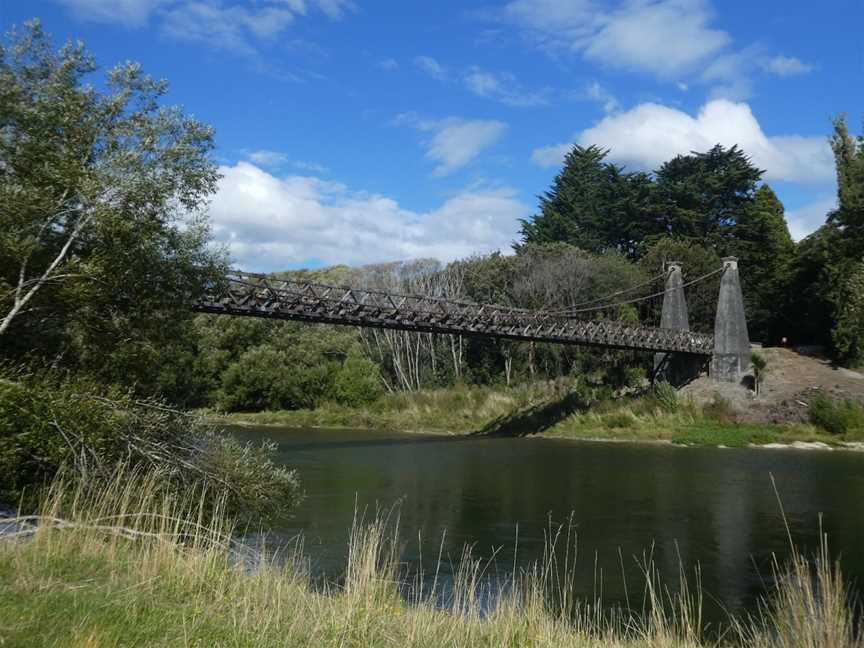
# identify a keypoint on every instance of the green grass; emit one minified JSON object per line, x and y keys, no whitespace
{"x":466,"y":409}
{"x":123,"y":567}
{"x":732,"y":436}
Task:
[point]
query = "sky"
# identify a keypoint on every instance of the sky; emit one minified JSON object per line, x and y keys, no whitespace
{"x":353,"y":131}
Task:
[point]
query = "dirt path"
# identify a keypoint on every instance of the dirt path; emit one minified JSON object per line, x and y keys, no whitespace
{"x":792,"y":380}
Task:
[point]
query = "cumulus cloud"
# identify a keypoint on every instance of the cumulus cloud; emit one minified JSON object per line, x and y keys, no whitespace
{"x":455,"y":141}
{"x":786,"y":66}
{"x":431,"y":67}
{"x":665,"y":37}
{"x":271,"y":223}
{"x":649,"y":134}
{"x":809,"y":217}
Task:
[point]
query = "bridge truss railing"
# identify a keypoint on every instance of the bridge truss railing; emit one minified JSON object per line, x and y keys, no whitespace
{"x":262,"y":296}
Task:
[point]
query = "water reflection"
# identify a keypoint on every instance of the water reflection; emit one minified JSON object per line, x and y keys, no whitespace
{"x":687,"y":506}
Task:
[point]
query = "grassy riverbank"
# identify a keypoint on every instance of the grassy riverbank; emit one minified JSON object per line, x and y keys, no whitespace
{"x":129,"y":567}
{"x":548,"y":409}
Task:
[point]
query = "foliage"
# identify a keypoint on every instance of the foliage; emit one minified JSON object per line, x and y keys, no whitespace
{"x":837,"y":417}
{"x":760,"y":369}
{"x":103,"y":239}
{"x":666,"y":397}
{"x":848,"y":332}
{"x":719,"y":409}
{"x":51,"y":424}
{"x":765,"y":250}
{"x":592,"y":205}
{"x":357,"y":382}
{"x":701,"y":196}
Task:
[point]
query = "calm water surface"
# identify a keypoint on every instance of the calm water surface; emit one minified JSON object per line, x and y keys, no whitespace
{"x":714,"y":508}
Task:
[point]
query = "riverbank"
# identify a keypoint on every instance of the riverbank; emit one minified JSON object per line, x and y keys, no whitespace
{"x":552,"y":411}
{"x":127,"y":567}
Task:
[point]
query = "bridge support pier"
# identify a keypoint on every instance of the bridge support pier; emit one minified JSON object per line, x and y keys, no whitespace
{"x":731,"y":359}
{"x":675,"y":368}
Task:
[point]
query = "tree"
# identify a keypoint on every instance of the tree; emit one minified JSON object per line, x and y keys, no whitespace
{"x":103,"y":240}
{"x":848,"y":332}
{"x":593,"y":205}
{"x":765,"y":250}
{"x":701,"y":196}
{"x":849,"y":162}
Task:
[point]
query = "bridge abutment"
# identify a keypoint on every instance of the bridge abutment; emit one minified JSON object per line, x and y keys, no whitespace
{"x":731,"y":359}
{"x":675,"y":368}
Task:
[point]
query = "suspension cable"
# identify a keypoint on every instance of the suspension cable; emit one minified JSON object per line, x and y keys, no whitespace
{"x":647,"y":297}
{"x":609,"y":296}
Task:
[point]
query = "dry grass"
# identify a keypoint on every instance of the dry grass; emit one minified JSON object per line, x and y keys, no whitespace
{"x":132,"y":567}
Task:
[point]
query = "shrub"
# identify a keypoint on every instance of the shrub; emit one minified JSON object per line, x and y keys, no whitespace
{"x":760,"y":369}
{"x":666,"y":397}
{"x":619,"y":420}
{"x":836,"y":417}
{"x":358,"y":382}
{"x":51,"y":424}
{"x":719,"y":410}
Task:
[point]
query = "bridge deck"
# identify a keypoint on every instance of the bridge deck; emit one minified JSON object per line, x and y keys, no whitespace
{"x":259,"y":296}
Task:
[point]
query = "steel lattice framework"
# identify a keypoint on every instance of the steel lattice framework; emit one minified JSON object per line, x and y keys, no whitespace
{"x":261,"y":296}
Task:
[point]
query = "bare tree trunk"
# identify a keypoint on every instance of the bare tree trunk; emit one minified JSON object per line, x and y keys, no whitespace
{"x":23,"y":294}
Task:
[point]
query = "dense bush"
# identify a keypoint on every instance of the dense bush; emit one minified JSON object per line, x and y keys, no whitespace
{"x":51,"y":423}
{"x":837,"y":417}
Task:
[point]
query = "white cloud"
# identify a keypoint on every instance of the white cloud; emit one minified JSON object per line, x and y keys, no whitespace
{"x":267,"y":158}
{"x":388,"y":64}
{"x":231,"y":28}
{"x":785,"y":66}
{"x":668,"y":38}
{"x":431,"y":67}
{"x":599,"y":94}
{"x":650,"y":134}
{"x":810,"y":217}
{"x":502,"y":87}
{"x":276,"y":159}
{"x":130,"y":13}
{"x":234,"y":27}
{"x":455,"y":141}
{"x":271,"y":223}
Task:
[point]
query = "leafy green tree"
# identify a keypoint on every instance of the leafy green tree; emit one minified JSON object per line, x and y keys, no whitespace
{"x":765,"y":250}
{"x":357,"y":382}
{"x":103,"y":238}
{"x":848,"y":332}
{"x":849,"y":162}
{"x":593,"y":205}
{"x":701,"y":196}
{"x":806,"y":307}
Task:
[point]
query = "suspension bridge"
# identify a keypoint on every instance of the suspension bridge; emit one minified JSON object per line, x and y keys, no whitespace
{"x":728,"y":349}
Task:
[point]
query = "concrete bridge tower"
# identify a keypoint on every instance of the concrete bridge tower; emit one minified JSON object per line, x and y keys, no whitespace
{"x":731,"y":359}
{"x":675,"y":368}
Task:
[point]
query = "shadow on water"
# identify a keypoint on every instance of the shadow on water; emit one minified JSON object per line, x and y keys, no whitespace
{"x":534,"y":419}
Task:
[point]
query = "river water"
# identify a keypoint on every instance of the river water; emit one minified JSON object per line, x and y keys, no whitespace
{"x":706,"y":507}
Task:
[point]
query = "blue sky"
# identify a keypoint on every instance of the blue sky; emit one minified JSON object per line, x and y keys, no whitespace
{"x":351,"y":131}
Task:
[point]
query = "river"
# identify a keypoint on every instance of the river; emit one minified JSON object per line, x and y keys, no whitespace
{"x":706,"y":507}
